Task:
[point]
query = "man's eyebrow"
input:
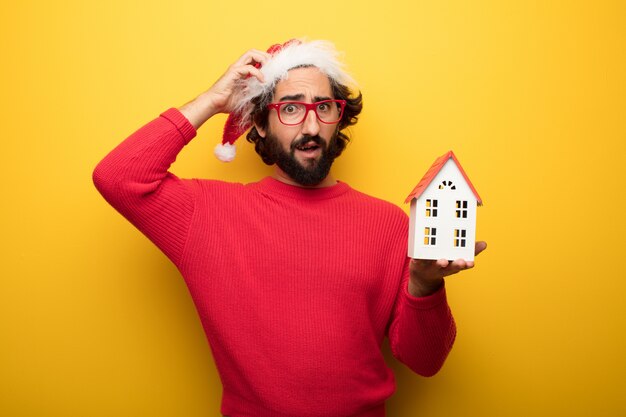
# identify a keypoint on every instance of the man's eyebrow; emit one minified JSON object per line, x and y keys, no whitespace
{"x":300,"y":97}
{"x":295,"y":97}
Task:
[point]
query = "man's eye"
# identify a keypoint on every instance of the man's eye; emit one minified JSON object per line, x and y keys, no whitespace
{"x":289,"y":108}
{"x":323,"y":107}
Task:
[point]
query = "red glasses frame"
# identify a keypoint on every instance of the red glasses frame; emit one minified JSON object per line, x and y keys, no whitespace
{"x":308,"y":107}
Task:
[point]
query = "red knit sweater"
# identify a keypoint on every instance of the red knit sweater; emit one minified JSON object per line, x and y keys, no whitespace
{"x":296,"y":288}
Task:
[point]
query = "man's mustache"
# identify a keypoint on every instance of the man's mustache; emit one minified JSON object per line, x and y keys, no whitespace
{"x":306,"y":139}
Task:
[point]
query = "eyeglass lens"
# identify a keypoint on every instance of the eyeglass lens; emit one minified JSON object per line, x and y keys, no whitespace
{"x":295,"y":113}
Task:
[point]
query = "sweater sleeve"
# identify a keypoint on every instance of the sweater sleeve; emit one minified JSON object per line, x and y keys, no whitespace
{"x":134,"y":179}
{"x":422,"y":330}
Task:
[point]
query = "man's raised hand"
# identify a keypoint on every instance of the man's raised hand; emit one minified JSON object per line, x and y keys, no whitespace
{"x":218,"y":98}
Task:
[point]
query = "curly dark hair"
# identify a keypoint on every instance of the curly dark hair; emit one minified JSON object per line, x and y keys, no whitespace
{"x":260,"y":114}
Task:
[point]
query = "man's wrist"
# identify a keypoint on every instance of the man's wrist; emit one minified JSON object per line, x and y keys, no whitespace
{"x":199,"y":110}
{"x":421,"y":289}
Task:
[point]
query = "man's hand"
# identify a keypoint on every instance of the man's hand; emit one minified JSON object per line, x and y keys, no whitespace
{"x":426,"y":276}
{"x":218,"y":98}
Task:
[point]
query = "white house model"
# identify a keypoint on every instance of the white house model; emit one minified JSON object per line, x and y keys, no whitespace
{"x":443,"y":213}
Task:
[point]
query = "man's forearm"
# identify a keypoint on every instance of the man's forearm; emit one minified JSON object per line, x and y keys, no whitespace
{"x":423,"y":332}
{"x":199,"y":110}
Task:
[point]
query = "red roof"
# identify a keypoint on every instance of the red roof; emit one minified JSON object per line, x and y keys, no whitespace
{"x":434,"y":170}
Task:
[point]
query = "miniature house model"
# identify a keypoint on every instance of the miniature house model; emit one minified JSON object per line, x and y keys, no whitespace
{"x":443,"y":213}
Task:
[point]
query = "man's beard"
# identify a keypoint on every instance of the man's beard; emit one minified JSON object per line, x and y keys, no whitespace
{"x":315,"y":170}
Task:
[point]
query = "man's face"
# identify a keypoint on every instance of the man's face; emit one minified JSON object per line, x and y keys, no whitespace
{"x":303,"y":152}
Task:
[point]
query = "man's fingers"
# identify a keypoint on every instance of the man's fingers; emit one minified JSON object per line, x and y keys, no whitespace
{"x":245,"y":66}
{"x":461,"y":264}
{"x":430,"y":264}
{"x":479,"y":247}
{"x":252,"y":56}
{"x":442,"y":267}
{"x":250,"y":70}
{"x":456,"y":266}
{"x":442,"y":263}
{"x":258,"y":74}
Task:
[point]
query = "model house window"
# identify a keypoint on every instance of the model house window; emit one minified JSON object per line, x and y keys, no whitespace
{"x":430,"y":234}
{"x":461,"y":209}
{"x":447,"y":184}
{"x":431,"y":208}
{"x":459,"y":238}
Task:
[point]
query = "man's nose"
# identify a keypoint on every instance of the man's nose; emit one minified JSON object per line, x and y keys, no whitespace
{"x":311,"y":126}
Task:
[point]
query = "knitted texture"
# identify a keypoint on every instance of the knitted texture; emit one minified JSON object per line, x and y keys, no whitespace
{"x":295,"y":288}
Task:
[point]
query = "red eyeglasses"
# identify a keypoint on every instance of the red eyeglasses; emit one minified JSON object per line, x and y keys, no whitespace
{"x":292,"y":113}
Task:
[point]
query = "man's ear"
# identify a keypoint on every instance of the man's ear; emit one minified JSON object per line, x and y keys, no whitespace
{"x":260,"y":130}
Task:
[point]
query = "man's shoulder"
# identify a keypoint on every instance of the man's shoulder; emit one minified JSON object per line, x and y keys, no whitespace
{"x":376,"y":203}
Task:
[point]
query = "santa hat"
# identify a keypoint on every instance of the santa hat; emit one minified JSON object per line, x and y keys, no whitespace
{"x":291,"y":54}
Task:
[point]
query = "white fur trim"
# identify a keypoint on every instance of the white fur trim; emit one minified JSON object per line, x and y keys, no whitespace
{"x":225,"y":152}
{"x":321,"y":54}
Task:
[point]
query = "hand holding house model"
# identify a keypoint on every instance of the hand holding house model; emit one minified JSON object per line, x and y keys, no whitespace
{"x":443,"y":213}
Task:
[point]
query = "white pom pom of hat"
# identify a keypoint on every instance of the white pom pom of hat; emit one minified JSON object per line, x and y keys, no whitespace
{"x":225,"y":152}
{"x":284,"y":57}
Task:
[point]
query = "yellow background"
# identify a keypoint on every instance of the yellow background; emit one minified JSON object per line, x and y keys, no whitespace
{"x":531,"y":96}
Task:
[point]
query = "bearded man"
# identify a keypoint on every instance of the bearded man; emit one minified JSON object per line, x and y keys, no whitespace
{"x":297,"y":278}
